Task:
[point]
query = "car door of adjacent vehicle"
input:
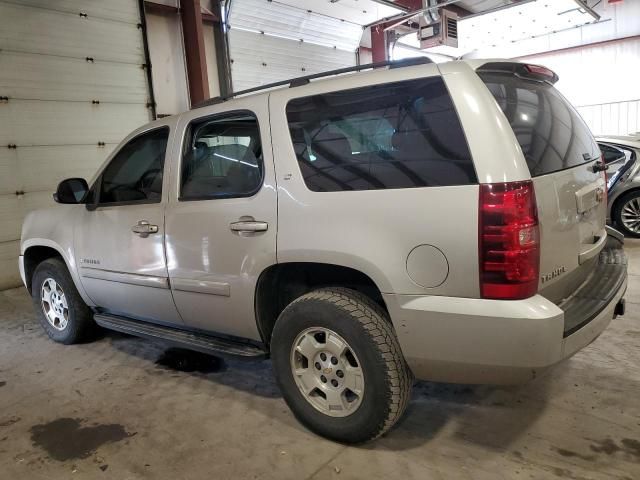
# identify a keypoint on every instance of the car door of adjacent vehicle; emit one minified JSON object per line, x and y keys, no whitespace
{"x":221,"y":219}
{"x":119,"y":238}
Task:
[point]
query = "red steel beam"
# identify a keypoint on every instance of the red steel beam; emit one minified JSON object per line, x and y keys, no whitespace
{"x":194,"y":50}
{"x":410,"y":4}
{"x":379,"y":45}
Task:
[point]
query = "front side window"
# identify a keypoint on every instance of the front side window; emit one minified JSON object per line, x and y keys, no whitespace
{"x":135,"y":173}
{"x":396,"y":135}
{"x":222,"y":158}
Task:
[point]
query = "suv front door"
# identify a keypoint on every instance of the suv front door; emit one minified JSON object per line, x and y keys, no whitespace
{"x":119,"y":238}
{"x":221,"y":219}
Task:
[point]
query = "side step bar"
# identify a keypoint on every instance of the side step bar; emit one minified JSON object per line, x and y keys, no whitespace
{"x":181,"y":338}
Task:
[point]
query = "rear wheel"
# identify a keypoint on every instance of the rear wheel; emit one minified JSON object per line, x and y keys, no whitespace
{"x":627,"y":214}
{"x":60,"y":309}
{"x":339,"y":365}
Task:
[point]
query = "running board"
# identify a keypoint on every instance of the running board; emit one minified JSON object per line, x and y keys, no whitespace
{"x":181,"y":338}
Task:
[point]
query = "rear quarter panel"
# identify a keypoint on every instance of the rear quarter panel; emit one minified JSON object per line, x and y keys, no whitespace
{"x":374,"y":231}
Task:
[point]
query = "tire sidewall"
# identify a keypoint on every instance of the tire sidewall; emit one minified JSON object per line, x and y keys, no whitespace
{"x":370,"y":416}
{"x":620,"y":203}
{"x":54,"y":269}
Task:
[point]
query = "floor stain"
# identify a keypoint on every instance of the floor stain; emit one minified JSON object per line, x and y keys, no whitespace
{"x":2,"y":384}
{"x":572,"y":454}
{"x":9,"y":421}
{"x":607,"y":446}
{"x":65,"y":439}
{"x":631,"y":446}
{"x":189,"y":361}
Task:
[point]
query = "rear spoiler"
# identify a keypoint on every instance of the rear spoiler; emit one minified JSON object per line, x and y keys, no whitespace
{"x":523,"y":70}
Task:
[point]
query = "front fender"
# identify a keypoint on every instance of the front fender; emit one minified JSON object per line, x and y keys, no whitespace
{"x":54,"y":228}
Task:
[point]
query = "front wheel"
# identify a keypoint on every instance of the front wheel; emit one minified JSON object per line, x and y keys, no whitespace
{"x":627,"y":214}
{"x":62,"y":312}
{"x":339,"y":365}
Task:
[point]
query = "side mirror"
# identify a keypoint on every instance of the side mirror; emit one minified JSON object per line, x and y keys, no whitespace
{"x":71,"y":190}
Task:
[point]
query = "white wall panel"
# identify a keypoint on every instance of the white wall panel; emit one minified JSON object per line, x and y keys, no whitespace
{"x":619,"y":118}
{"x":41,"y":168}
{"x":9,"y":181}
{"x":10,"y":276}
{"x":48,"y":32}
{"x":32,"y":122}
{"x":49,"y":116}
{"x":361,"y":12}
{"x":167,"y":58}
{"x":277,"y":19}
{"x":260,"y":59}
{"x":24,"y":75}
{"x":210,"y":54}
{"x":608,"y":102}
{"x":118,"y":10}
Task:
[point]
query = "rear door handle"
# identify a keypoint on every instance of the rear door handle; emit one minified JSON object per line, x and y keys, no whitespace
{"x":249,"y":226}
{"x":144,"y":228}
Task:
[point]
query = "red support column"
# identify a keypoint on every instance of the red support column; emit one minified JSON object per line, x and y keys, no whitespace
{"x":194,"y":50}
{"x":379,"y":45}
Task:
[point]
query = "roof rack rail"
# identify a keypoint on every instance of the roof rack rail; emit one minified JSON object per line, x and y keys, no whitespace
{"x":298,"y":81}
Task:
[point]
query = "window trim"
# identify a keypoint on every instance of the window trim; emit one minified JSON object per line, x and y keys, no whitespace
{"x":185,"y":142}
{"x":98,"y":181}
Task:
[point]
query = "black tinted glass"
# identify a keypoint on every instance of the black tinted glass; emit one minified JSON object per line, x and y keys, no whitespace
{"x":550,"y":132}
{"x":135,"y":173}
{"x":611,"y":154}
{"x":396,"y":135}
{"x":222,"y":159}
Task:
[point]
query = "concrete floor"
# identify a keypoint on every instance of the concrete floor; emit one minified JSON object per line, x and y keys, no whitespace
{"x":121,"y":408}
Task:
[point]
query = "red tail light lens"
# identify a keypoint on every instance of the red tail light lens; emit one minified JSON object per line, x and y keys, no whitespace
{"x":509,"y":241}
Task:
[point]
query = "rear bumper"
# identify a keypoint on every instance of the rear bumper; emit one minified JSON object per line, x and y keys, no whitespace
{"x":467,"y":340}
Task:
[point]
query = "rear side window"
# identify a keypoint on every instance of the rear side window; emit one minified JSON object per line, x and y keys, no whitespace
{"x":550,"y":132}
{"x":395,"y":135}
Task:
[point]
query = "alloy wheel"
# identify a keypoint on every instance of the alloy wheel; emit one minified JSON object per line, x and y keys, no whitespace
{"x":327,"y":372}
{"x":54,"y":304}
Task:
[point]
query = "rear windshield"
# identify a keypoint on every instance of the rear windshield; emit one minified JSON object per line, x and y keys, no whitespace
{"x":550,"y":132}
{"x":395,"y":135}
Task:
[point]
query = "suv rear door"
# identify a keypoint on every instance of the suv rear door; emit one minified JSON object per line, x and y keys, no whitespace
{"x":563,"y":160}
{"x":221,"y":219}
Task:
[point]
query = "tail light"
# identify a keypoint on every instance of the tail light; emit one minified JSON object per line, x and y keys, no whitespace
{"x":509,"y":241}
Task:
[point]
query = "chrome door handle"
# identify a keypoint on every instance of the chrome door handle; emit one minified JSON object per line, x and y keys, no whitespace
{"x":249,"y":226}
{"x":144,"y":228}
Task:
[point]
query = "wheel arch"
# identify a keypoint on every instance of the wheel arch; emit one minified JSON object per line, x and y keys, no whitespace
{"x":281,"y":283}
{"x":618,"y":199}
{"x":36,"y":252}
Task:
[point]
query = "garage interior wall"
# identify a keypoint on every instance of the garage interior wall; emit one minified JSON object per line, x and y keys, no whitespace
{"x":74,"y":86}
{"x":608,"y":97}
{"x":271,"y":41}
{"x":166,"y":50}
{"x":597,"y":65}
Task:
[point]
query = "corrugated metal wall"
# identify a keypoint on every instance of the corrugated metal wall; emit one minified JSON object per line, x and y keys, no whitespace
{"x":56,"y":59}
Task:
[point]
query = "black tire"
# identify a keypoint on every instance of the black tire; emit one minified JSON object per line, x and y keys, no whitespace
{"x":617,"y":213}
{"x":366,"y":328}
{"x":80,"y":325}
